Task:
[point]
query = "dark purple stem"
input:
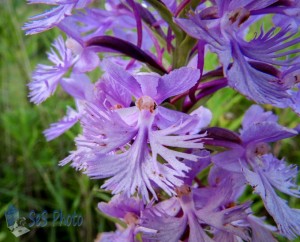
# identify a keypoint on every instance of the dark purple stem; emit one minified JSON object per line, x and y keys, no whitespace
{"x":150,"y":20}
{"x":181,"y":7}
{"x":205,"y":84}
{"x":213,"y":83}
{"x":169,"y":40}
{"x":216,"y":72}
{"x":207,"y":91}
{"x":210,"y":91}
{"x":126,"y":48}
{"x":200,"y":65}
{"x":138,"y":22}
{"x":138,"y":27}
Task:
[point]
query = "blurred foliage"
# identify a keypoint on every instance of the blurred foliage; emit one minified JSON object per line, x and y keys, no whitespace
{"x":30,"y":177}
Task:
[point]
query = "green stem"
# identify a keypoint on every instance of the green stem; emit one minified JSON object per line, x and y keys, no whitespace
{"x":168,"y":17}
{"x":182,"y":51}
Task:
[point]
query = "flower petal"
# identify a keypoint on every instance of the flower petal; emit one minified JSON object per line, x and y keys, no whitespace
{"x":123,"y":78}
{"x":88,"y":60}
{"x":281,"y":175}
{"x":185,"y":78}
{"x":52,"y":17}
{"x":161,"y":139}
{"x":169,"y":229}
{"x":254,"y":84}
{"x":104,"y":130}
{"x":45,"y":77}
{"x":148,"y":82}
{"x":166,"y":117}
{"x":287,"y":219}
{"x":79,"y":86}
{"x":266,"y":132}
{"x":256,"y":114}
{"x":228,"y":160}
{"x":260,"y":231}
{"x":197,"y":233}
{"x":119,"y":205}
{"x":134,"y":170}
{"x":205,"y":117}
{"x":203,"y":162}
{"x":56,"y":129}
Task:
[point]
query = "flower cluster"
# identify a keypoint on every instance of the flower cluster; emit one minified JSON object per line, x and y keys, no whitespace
{"x":144,"y":131}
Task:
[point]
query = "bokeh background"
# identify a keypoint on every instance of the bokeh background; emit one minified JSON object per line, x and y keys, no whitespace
{"x":30,"y":178}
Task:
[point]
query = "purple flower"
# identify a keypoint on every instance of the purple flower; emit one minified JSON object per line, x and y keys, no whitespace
{"x":79,"y":87}
{"x":248,"y":65}
{"x":213,"y":209}
{"x":204,"y":161}
{"x":293,"y":75}
{"x":259,"y":128}
{"x":273,"y":173}
{"x":45,"y":77}
{"x":286,"y":12}
{"x":86,"y":58}
{"x":128,"y":210}
{"x":263,"y":171}
{"x":116,"y":19}
{"x":83,"y":91}
{"x":126,"y":143}
{"x":219,"y":175}
{"x":68,"y":121}
{"x":53,"y":17}
{"x":192,"y":211}
{"x":64,"y":55}
{"x":261,"y":231}
{"x":118,"y":235}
